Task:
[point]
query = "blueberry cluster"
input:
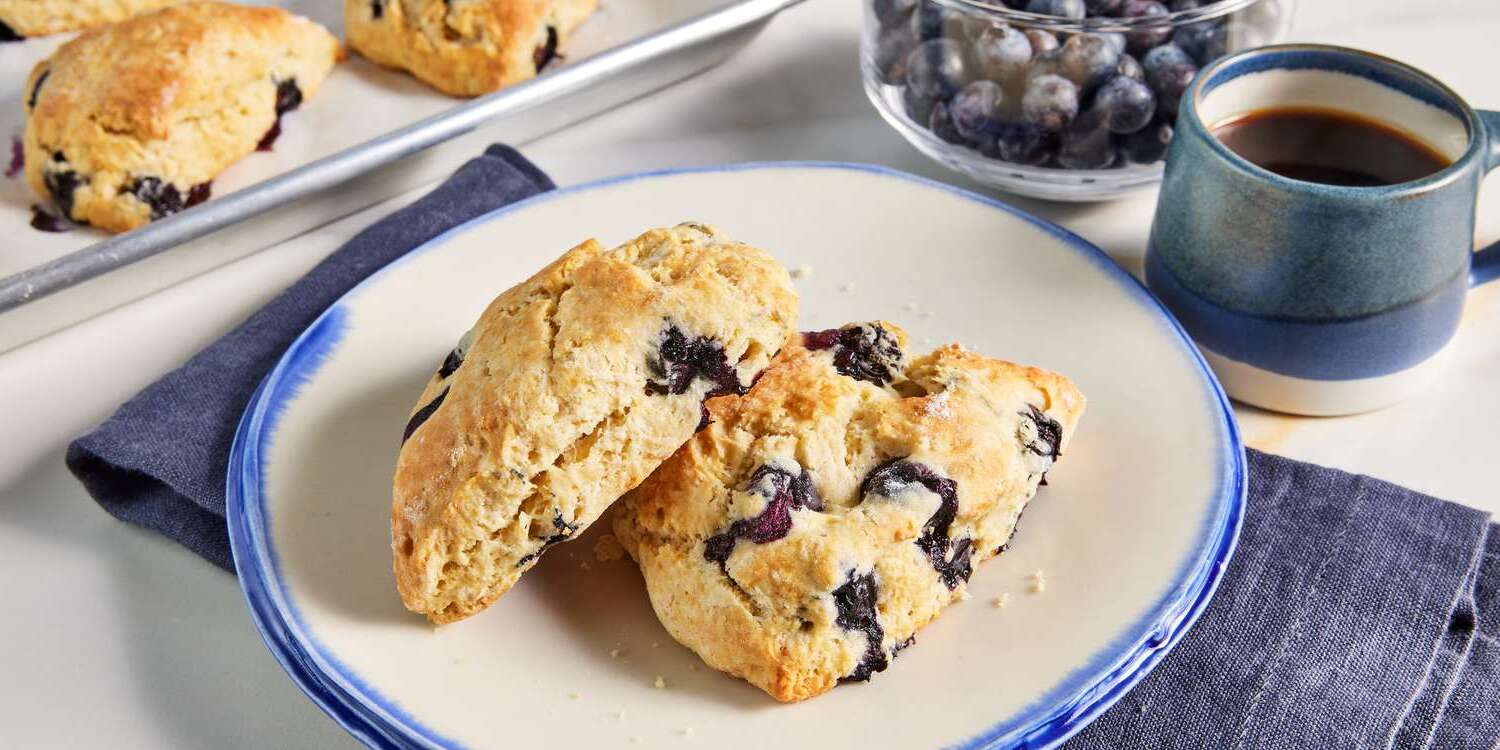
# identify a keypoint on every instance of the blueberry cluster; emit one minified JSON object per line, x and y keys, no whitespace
{"x":1030,"y":96}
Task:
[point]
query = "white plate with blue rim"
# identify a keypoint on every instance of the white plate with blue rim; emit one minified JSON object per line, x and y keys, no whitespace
{"x":1131,"y":536}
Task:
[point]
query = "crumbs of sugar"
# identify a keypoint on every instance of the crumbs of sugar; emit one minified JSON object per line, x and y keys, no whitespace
{"x":911,"y":307}
{"x":573,"y":696}
{"x":964,"y":595}
{"x":801,"y":272}
{"x":848,"y":286}
{"x":633,"y":740}
{"x":686,"y":731}
{"x":619,"y":714}
{"x":938,"y":406}
{"x":1000,"y":601}
{"x":655,"y":644}
{"x":614,"y":653}
{"x":607,"y":548}
{"x":584,"y":565}
{"x":661,"y":683}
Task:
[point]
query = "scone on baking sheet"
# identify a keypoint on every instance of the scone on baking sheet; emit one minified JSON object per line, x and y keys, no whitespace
{"x":569,"y":390}
{"x":804,"y":536}
{"x":464,"y":47}
{"x":20,"y":19}
{"x":131,"y":122}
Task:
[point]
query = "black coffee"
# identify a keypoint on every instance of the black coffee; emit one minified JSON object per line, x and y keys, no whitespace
{"x":1334,"y":148}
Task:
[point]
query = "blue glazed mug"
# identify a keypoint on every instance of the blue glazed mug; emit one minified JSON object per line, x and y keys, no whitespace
{"x":1311,"y":298}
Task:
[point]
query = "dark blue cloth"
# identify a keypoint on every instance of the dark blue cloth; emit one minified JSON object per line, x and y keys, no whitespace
{"x":160,"y":461}
{"x":1354,"y":614}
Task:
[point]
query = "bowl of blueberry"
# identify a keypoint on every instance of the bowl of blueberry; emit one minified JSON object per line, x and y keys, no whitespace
{"x":1070,"y":100}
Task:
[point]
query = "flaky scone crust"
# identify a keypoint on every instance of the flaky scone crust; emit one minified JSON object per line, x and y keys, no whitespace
{"x":30,"y":18}
{"x":462,"y":47}
{"x":175,"y":95}
{"x":768,"y":615}
{"x":549,"y":417}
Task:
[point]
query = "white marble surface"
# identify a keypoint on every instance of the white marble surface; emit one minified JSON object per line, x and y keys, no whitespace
{"x":113,"y":636}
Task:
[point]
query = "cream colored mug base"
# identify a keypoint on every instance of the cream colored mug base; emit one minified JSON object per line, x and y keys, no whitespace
{"x":1321,"y":398}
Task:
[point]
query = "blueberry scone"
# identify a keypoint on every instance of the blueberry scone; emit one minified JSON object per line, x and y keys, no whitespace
{"x":804,"y":536}
{"x":463,"y":47}
{"x":131,"y":122}
{"x":571,"y":388}
{"x":20,"y":19}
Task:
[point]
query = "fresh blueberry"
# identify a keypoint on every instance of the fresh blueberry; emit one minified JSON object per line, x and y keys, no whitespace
{"x":918,"y":108}
{"x":1129,"y":67}
{"x":1001,"y":53}
{"x":1116,"y":40}
{"x":1059,"y":8}
{"x":1050,"y":102}
{"x":678,"y":361}
{"x":930,"y":21}
{"x":1153,"y":33}
{"x":892,"y":12}
{"x":863,"y":351}
{"x":976,"y":111}
{"x":1179,"y":6}
{"x":1024,"y":143}
{"x":1148,"y":145}
{"x":1086,"y":142}
{"x":1088,"y":59}
{"x":1102,"y":7}
{"x":935,"y":69}
{"x":941,"y":125}
{"x":164,"y":198}
{"x":1206,"y":41}
{"x":892,"y":46}
{"x":1127,"y":104}
{"x":856,"y":605}
{"x":948,"y":557}
{"x":785,"y":490}
{"x":1169,"y":71}
{"x":422,"y":415}
{"x":1041,"y":41}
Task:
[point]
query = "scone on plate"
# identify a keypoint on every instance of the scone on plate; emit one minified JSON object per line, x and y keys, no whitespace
{"x":804,"y":536}
{"x":131,"y":122}
{"x":572,"y":387}
{"x":464,"y":47}
{"x":20,"y":19}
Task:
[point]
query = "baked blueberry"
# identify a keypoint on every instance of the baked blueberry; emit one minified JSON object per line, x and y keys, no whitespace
{"x":785,"y":488}
{"x":890,"y":480}
{"x":546,"y":51}
{"x":377,"y":8}
{"x":564,"y":532}
{"x":36,"y":90}
{"x":62,"y":184}
{"x":44,"y":221}
{"x":422,"y":415}
{"x":17,"y":159}
{"x":164,"y":198}
{"x":856,"y":604}
{"x":7,"y":34}
{"x":863,"y":351}
{"x":678,"y":361}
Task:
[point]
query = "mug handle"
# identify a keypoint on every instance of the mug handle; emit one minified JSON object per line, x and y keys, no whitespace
{"x":1486,"y":262}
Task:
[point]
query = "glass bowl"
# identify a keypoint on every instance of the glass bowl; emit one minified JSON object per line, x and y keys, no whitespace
{"x":1045,"y":105}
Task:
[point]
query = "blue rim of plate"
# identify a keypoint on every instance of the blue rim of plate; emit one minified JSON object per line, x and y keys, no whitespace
{"x":379,"y":723}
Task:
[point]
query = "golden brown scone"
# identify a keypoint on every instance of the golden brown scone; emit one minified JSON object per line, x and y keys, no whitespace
{"x":132,"y":122}
{"x":569,"y":390}
{"x":27,"y":18}
{"x":464,"y":47}
{"x":822,"y":518}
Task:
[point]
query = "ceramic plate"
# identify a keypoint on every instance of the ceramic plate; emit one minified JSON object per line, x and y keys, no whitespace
{"x":1131,"y":535}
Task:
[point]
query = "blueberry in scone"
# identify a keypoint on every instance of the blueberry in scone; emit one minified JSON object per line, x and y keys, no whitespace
{"x":569,"y":390}
{"x":821,"y":518}
{"x":20,"y":19}
{"x":464,"y":47}
{"x":130,"y":123}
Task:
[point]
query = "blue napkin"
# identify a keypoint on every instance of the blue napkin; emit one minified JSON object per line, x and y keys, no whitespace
{"x":1354,"y":614}
{"x":161,"y":460}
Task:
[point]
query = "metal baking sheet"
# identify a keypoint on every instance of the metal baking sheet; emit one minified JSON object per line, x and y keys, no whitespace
{"x":369,"y":134}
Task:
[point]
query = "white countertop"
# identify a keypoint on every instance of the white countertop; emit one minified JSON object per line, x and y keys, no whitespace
{"x":113,"y":636}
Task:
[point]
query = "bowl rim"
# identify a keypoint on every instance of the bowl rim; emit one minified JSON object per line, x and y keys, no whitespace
{"x":1101,"y":24}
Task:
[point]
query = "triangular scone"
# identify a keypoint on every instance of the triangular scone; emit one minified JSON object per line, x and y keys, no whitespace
{"x":838,"y":506}
{"x":571,"y":388}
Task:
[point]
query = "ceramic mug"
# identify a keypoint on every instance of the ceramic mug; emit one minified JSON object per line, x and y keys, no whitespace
{"x":1311,"y":298}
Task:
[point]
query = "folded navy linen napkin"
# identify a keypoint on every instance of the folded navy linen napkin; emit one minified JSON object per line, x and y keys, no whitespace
{"x":1354,"y":614}
{"x":161,"y":460}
